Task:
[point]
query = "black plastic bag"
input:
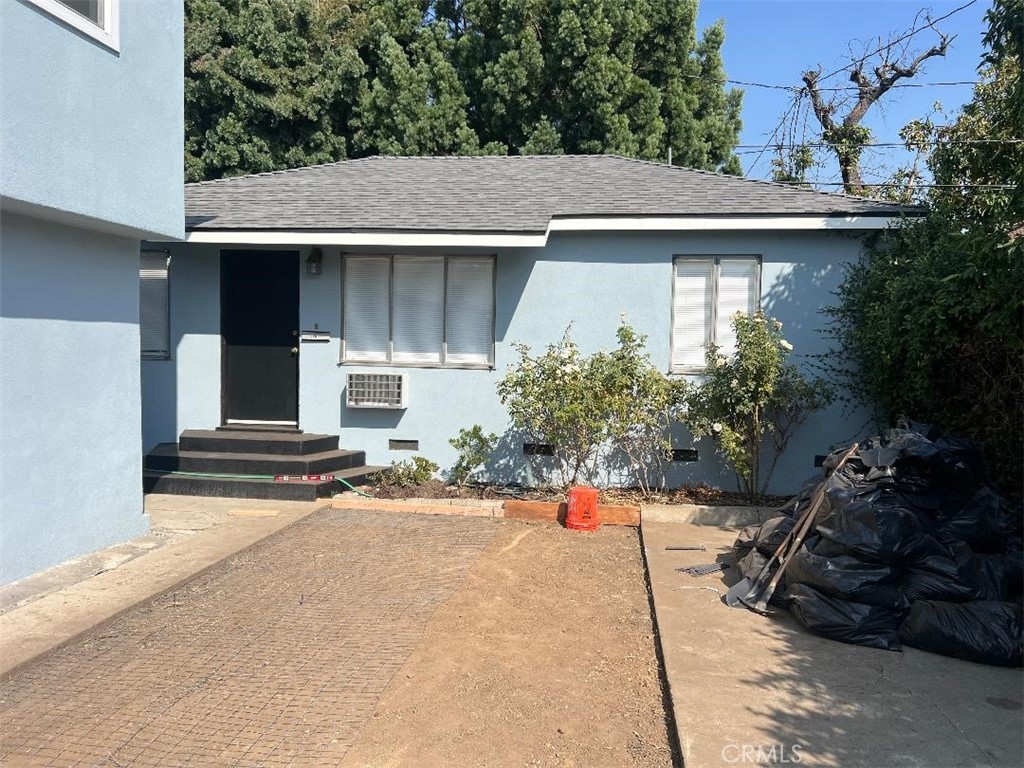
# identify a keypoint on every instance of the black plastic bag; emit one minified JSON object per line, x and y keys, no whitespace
{"x":772,"y":533}
{"x":856,"y":623}
{"x":795,"y":506}
{"x":876,"y":528}
{"x":751,"y":564}
{"x":996,"y":577}
{"x":847,"y":578}
{"x":924,"y":584}
{"x":987,"y":632}
{"x":746,"y":540}
{"x":985,"y":522}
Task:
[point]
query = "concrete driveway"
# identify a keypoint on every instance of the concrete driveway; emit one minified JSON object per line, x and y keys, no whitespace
{"x":750,"y":690}
{"x":275,"y":658}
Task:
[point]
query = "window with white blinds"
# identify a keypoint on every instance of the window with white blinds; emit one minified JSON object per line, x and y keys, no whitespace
{"x":707,"y":292}
{"x":419,"y":310}
{"x":154,"y":319}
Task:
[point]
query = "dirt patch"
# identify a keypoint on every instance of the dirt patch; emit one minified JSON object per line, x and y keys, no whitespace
{"x":690,"y":494}
{"x":545,"y":656}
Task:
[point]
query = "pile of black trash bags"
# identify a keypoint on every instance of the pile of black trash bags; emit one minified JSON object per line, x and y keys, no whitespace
{"x":911,"y":546}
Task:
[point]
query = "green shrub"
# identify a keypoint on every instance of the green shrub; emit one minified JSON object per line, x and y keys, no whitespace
{"x":409,"y":473}
{"x":751,"y":403}
{"x":587,"y":407}
{"x":474,"y":448}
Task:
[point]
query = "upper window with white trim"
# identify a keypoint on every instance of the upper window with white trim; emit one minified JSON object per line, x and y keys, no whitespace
{"x":96,"y":18}
{"x":707,"y":291}
{"x":154,"y":306}
{"x":419,"y":310}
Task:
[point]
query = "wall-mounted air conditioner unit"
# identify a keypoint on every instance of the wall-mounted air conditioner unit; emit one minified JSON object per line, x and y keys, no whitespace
{"x":377,"y":390}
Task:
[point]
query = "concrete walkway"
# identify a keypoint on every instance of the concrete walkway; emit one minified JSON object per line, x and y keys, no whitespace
{"x":276,"y":657}
{"x":188,"y":535}
{"x":747,"y":689}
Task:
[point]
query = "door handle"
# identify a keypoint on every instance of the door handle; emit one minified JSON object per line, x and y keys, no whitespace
{"x":295,"y":350}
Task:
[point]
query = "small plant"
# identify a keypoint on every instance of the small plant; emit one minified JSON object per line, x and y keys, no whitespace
{"x":755,"y":394}
{"x":474,"y":448}
{"x":410,"y":473}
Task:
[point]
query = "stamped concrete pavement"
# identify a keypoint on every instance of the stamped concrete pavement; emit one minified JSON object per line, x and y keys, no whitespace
{"x":276,"y":657}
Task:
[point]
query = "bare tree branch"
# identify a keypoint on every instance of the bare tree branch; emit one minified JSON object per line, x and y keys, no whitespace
{"x":846,"y":135}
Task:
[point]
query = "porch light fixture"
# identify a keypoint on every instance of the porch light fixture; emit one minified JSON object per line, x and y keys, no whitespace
{"x":315,"y":262}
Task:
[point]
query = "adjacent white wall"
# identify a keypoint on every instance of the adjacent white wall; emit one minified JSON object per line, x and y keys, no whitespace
{"x":70,"y":416}
{"x":587,"y":279}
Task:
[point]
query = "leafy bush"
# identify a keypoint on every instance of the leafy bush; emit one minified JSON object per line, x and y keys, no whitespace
{"x":586,"y":407}
{"x":929,"y":323}
{"x":551,"y":399}
{"x":755,"y":394}
{"x":409,"y":473}
{"x":474,"y":448}
{"x":639,"y":402}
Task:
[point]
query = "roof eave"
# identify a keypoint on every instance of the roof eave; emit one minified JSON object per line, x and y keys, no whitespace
{"x":528,"y":238}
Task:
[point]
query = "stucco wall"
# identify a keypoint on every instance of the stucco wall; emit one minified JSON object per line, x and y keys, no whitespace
{"x":183,"y":392}
{"x":70,"y":480}
{"x":587,"y":280}
{"x":91,"y":131}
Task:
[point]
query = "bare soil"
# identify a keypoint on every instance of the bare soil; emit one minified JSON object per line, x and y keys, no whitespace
{"x":690,"y":494}
{"x":545,"y":656}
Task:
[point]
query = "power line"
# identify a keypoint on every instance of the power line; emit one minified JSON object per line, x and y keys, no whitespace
{"x":800,"y":88}
{"x":905,"y":36}
{"x":749,"y":149}
{"x":898,"y":184}
{"x":795,"y":103}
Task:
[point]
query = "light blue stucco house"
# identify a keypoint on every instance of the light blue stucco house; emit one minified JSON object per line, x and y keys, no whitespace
{"x":91,"y":130}
{"x":378,"y":299}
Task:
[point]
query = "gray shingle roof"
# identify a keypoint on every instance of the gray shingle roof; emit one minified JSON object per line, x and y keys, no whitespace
{"x":492,"y":194}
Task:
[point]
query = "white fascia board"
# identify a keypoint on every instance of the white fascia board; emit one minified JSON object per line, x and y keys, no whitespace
{"x":385,"y":239}
{"x":723,"y":223}
{"x":581,"y":224}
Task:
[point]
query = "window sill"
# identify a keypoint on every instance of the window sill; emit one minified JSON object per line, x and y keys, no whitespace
{"x":437,"y":366}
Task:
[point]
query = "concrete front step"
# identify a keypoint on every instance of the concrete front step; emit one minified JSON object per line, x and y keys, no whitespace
{"x":154,"y":481}
{"x":169,"y":457}
{"x":246,"y":441}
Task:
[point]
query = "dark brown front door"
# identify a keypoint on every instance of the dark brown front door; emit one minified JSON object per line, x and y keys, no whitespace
{"x":259,"y":322}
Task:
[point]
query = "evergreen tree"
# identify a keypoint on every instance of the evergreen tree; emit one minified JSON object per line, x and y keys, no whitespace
{"x":702,"y":118}
{"x":415,"y":104}
{"x":281,"y":83}
{"x":269,"y":84}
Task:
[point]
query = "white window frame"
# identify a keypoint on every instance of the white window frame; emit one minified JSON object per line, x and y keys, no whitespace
{"x":712,"y":331}
{"x":108,"y":33}
{"x":157,"y":355}
{"x":390,"y":359}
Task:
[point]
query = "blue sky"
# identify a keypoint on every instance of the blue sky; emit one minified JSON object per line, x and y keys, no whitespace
{"x":774,"y":41}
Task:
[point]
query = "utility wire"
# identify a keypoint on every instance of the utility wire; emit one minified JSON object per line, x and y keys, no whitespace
{"x":799,"y":88}
{"x":795,"y":103}
{"x":905,"y":36}
{"x":899,"y":184}
{"x":895,"y":143}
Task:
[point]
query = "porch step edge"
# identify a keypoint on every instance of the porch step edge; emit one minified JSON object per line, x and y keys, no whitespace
{"x":169,"y":457}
